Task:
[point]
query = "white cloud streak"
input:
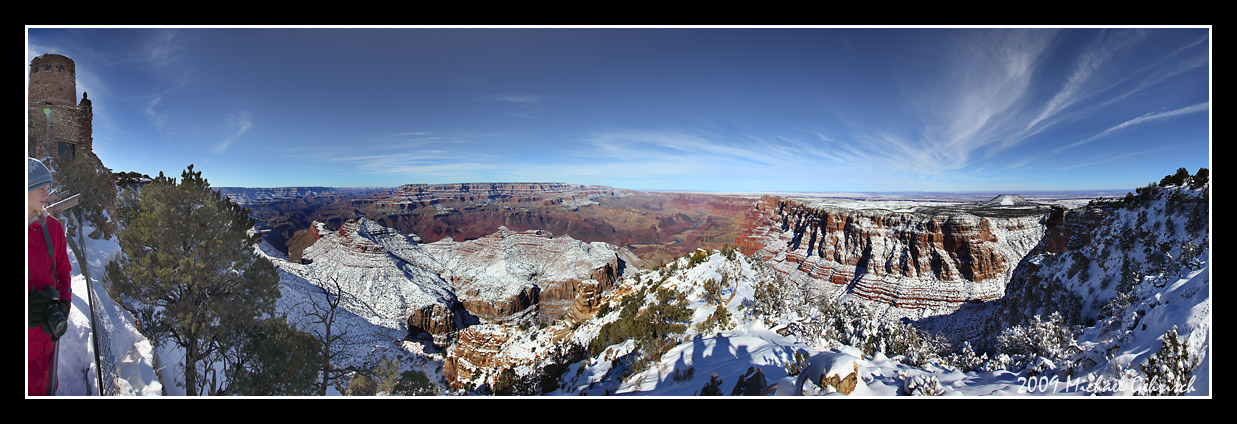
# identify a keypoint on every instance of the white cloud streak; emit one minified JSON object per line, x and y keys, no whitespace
{"x":1146,"y":118}
{"x":1083,"y":82}
{"x":516,"y":98}
{"x":528,"y":105}
{"x":415,"y":155}
{"x":237,"y":124}
{"x":994,"y":90}
{"x":1116,"y":157}
{"x":972,"y":104}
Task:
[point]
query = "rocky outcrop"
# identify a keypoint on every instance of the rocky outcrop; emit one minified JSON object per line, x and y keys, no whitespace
{"x":477,"y":353}
{"x":483,"y":353}
{"x":1070,"y":229}
{"x":519,"y":305}
{"x":438,"y":323}
{"x":530,"y":274}
{"x":436,"y":289}
{"x":299,"y":241}
{"x":906,"y":263}
{"x":387,"y":276}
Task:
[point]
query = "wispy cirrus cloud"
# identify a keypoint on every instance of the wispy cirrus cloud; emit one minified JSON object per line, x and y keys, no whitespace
{"x":993,"y":91}
{"x":974,"y":102}
{"x":674,"y":145}
{"x":161,"y":52}
{"x":1089,"y":77}
{"x":966,"y":117}
{"x":154,"y":112}
{"x":1143,"y":119}
{"x":515,"y":98}
{"x":162,"y":47}
{"x":417,"y":156}
{"x":236,"y":124}
{"x":527,"y":106}
{"x":1111,"y":158}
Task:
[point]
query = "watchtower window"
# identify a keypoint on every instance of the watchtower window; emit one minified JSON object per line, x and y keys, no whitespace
{"x":66,"y":150}
{"x":36,"y":70}
{"x":47,"y":67}
{"x":60,"y":68}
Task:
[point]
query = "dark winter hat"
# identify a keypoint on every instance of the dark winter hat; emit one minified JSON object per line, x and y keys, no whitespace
{"x":37,"y":174}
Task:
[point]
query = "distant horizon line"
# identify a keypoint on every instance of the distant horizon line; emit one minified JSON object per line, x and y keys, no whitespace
{"x":868,"y":192}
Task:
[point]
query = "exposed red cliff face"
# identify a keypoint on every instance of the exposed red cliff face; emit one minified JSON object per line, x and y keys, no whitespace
{"x":914,"y":263}
{"x":477,"y":350}
{"x":482,"y":352}
{"x":1073,"y":228}
{"x":438,"y":322}
{"x":433,"y":211}
{"x":755,"y":230}
{"x":656,"y":226}
{"x":299,"y":241}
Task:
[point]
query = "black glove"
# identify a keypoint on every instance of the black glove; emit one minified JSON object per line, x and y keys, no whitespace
{"x":37,"y":302}
{"x":66,"y":305}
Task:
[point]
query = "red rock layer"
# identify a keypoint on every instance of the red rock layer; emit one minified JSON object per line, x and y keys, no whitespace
{"x":475,"y":351}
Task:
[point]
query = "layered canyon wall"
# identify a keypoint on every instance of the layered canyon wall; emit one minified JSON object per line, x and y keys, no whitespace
{"x":909,"y":263}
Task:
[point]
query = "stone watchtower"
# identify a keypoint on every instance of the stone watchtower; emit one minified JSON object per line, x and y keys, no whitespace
{"x":59,"y":134}
{"x":58,"y":125}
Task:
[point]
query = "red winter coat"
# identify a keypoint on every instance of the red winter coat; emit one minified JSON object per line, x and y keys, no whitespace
{"x":41,"y":350}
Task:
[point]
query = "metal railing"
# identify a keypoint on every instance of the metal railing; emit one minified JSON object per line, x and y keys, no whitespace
{"x":100,"y":322}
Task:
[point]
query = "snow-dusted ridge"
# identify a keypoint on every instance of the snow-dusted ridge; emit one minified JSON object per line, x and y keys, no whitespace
{"x":385,"y":272}
{"x":794,"y":347}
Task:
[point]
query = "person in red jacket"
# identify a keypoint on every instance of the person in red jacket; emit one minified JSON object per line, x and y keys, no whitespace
{"x":48,"y":284}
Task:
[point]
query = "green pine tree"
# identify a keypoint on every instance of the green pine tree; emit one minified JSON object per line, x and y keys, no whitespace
{"x":414,"y":383}
{"x":1200,"y":178}
{"x":272,"y":358}
{"x":190,"y":272}
{"x":713,"y":387}
{"x":96,"y":192}
{"x":1181,"y":177}
{"x":1170,"y":371}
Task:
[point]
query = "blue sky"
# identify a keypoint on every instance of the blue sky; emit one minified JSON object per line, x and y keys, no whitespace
{"x":719,"y":109}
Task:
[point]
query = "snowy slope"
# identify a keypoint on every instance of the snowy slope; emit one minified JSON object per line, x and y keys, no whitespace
{"x":387,"y":273}
{"x":134,"y":357}
{"x":731,"y":353}
{"x":499,"y":266}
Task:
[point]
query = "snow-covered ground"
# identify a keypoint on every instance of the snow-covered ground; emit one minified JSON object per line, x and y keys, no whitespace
{"x":750,"y":344}
{"x":1180,"y":298}
{"x":133,"y":355}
